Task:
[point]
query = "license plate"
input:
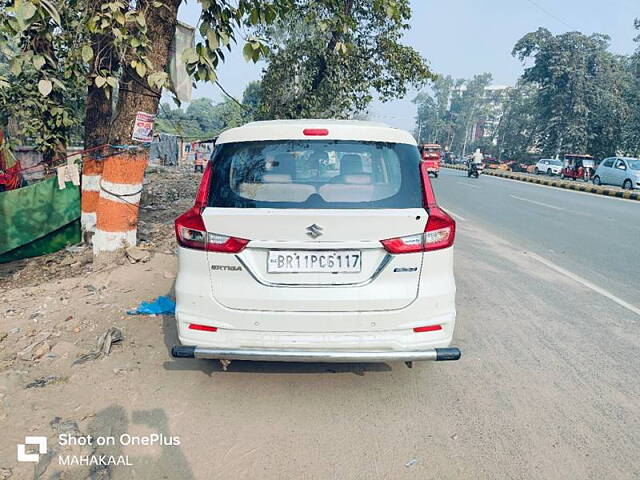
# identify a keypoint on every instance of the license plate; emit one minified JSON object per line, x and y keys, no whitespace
{"x":308,"y":261}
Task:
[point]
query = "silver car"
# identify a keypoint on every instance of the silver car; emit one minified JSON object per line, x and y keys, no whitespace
{"x":619,"y":171}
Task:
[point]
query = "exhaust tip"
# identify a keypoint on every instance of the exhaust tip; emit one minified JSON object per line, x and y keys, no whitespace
{"x":183,"y":351}
{"x":448,"y":354}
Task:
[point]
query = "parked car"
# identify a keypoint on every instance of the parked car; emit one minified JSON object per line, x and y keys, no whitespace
{"x":549,"y":166}
{"x":620,"y":171}
{"x":315,"y":241}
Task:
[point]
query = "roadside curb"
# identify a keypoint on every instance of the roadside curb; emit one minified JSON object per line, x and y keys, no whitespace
{"x":567,"y":185}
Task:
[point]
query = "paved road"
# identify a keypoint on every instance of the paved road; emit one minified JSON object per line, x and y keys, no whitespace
{"x":557,"y":178}
{"x":595,"y":237}
{"x":547,"y":387}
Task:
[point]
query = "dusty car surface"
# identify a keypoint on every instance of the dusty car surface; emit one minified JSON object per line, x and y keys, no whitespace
{"x":315,"y":240}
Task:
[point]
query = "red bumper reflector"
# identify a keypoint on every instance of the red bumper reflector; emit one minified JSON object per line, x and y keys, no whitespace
{"x":315,"y":132}
{"x":429,"y":328}
{"x":204,"y":328}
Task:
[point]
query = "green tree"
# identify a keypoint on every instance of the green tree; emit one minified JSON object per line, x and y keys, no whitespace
{"x":434,"y":120}
{"x":252,"y":98}
{"x":449,"y":113}
{"x":468,"y":106}
{"x":519,"y":126}
{"x":109,"y":46}
{"x":328,"y":58}
{"x":579,"y":90}
{"x":631,"y":128}
{"x":205,"y":119}
{"x":43,"y":89}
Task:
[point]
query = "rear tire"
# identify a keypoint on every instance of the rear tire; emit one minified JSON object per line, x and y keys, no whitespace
{"x":536,"y":171}
{"x":596,"y":180}
{"x":627,"y":185}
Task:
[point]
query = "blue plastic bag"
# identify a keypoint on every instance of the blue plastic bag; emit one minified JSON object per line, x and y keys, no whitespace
{"x":163,"y":305}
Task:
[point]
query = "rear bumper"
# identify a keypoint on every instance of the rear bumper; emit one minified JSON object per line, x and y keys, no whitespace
{"x":329,"y":356}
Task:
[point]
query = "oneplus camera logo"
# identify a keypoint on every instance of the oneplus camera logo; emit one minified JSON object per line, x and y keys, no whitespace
{"x":23,"y":456}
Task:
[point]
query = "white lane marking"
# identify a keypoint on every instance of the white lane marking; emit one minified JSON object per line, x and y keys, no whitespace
{"x":536,"y":203}
{"x":455,"y":215}
{"x":585,"y":283}
{"x":467,"y":185}
{"x":561,"y":189}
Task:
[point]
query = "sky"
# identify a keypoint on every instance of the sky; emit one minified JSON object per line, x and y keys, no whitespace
{"x":462,"y":38}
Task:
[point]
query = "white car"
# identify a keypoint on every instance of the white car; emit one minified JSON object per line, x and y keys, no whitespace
{"x":315,"y":241}
{"x":550,"y":166}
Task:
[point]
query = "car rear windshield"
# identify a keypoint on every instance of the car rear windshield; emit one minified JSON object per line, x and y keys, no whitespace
{"x":315,"y":174}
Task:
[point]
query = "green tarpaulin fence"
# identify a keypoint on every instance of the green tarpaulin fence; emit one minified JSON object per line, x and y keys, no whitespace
{"x":38,"y":219}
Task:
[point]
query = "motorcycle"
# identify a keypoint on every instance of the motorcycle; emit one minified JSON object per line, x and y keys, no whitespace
{"x":474,"y":170}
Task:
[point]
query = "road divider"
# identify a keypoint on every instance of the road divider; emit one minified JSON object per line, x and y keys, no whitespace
{"x":566,"y":184}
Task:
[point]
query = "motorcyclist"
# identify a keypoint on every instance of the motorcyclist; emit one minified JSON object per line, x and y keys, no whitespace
{"x":476,"y":160}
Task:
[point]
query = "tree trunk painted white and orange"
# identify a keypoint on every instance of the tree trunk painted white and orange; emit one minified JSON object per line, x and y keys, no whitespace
{"x":91,"y":173}
{"x":118,"y":205}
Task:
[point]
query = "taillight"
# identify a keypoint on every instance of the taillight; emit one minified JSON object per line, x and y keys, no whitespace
{"x":439,"y":232}
{"x":190,"y":229}
{"x":203,"y":190}
{"x":191,"y":233}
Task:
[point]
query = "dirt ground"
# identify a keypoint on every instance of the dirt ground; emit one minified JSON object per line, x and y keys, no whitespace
{"x":538,"y":393}
{"x":54,"y":308}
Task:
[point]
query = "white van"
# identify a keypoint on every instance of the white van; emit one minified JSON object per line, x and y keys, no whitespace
{"x":315,"y":241}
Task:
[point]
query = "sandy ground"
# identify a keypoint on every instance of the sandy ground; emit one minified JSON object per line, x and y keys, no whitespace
{"x":548,"y":386}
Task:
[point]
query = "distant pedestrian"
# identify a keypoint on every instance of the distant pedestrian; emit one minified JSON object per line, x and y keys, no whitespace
{"x":199,"y":162}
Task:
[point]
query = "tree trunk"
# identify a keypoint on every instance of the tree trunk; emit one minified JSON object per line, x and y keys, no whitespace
{"x":99,"y":107}
{"x":120,"y":189}
{"x":331,"y":45}
{"x":135,"y":95}
{"x":97,"y":120}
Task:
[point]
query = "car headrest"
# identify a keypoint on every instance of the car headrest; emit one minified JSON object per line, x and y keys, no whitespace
{"x":283,"y":163}
{"x":350,"y":163}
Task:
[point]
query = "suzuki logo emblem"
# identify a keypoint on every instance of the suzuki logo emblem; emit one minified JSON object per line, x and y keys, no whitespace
{"x":314,"y":231}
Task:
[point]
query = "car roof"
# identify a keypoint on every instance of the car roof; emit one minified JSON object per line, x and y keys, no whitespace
{"x":337,"y":130}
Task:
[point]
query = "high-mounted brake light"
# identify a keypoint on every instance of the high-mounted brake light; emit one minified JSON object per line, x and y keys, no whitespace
{"x":315,"y":132}
{"x":190,"y":229}
{"x":439,"y":232}
{"x":203,"y":328}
